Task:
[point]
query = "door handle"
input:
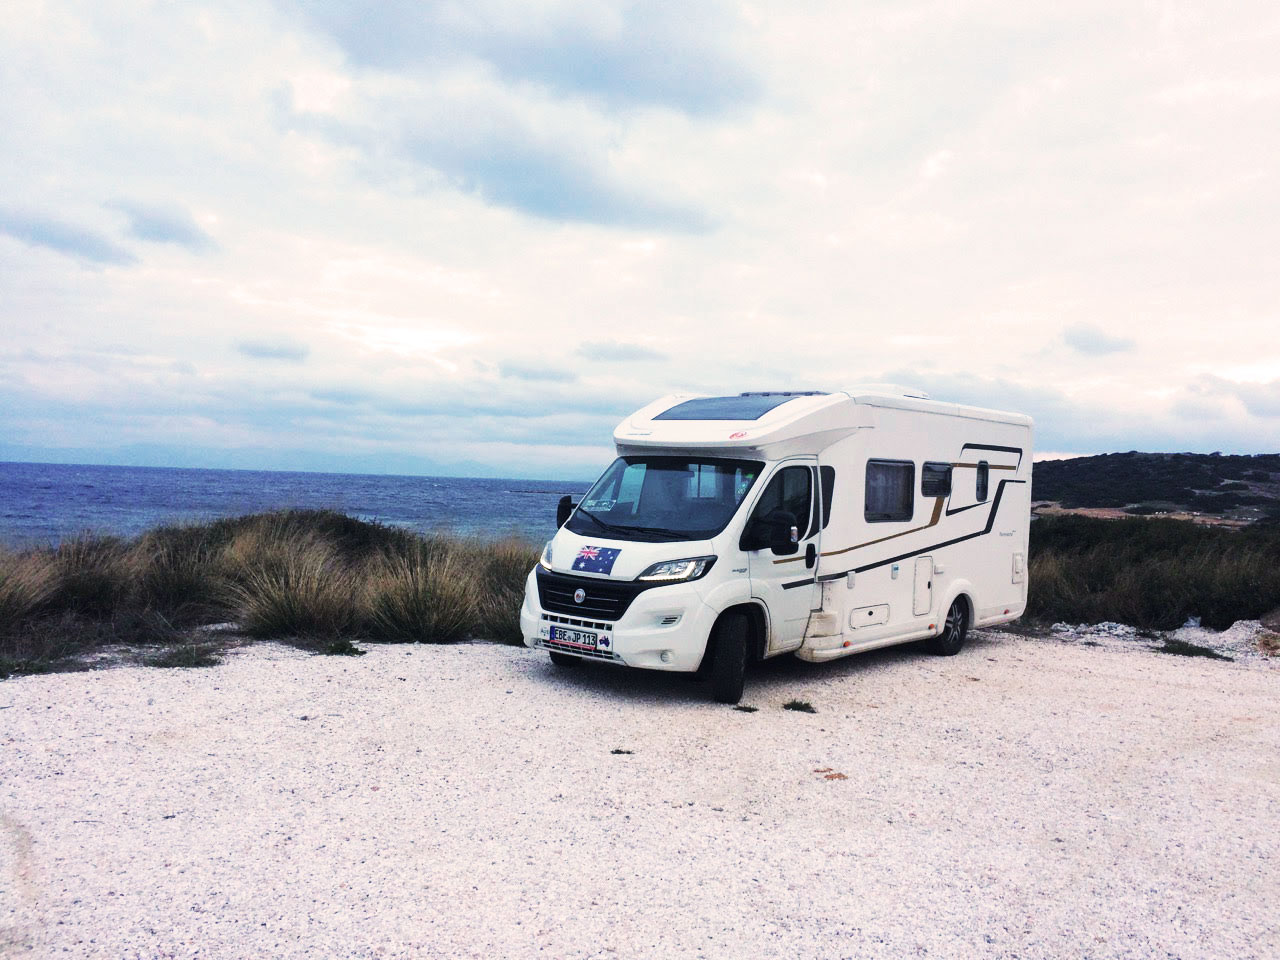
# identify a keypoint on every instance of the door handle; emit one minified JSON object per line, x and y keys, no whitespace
{"x":810,"y":556}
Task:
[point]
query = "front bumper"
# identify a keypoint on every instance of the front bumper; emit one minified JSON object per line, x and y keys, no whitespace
{"x":661,"y":628}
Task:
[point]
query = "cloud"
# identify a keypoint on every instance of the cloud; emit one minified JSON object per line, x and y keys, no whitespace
{"x":73,"y":241}
{"x":613,"y":350}
{"x":164,"y":223}
{"x":273,"y":349}
{"x":506,"y":162}
{"x":643,"y":52}
{"x":508,"y":148}
{"x":1092,"y":341}
{"x":1258,"y":398}
{"x":518,"y":371}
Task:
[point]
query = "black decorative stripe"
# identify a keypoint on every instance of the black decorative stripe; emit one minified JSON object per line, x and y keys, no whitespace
{"x":799,"y":583}
{"x":991,"y":520}
{"x":987,"y":446}
{"x":983,"y":446}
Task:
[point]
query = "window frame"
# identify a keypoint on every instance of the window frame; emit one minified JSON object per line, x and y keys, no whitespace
{"x":827,"y":484}
{"x":941,"y":486}
{"x":910,"y":487}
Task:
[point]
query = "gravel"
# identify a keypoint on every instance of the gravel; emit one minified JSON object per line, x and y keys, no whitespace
{"x":1027,"y":798}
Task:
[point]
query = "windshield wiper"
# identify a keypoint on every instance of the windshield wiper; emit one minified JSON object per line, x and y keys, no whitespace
{"x":632,"y":528}
{"x":604,"y":524}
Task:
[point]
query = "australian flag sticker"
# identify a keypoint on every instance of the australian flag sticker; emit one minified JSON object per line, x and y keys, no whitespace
{"x":596,"y":559}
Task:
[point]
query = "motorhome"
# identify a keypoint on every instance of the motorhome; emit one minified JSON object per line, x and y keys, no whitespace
{"x":734,"y":528}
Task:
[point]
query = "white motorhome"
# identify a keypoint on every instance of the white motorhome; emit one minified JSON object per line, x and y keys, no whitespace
{"x":736,"y":528}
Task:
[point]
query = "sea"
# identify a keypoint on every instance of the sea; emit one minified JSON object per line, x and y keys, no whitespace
{"x":45,"y":503}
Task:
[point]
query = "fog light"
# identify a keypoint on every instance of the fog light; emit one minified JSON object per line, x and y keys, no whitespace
{"x":666,"y":656}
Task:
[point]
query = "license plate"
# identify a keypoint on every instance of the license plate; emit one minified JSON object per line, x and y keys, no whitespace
{"x":575,"y":638}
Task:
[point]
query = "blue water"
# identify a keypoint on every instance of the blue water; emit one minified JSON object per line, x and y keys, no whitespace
{"x":42,"y":503}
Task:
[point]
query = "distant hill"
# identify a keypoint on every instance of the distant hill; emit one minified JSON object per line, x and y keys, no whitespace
{"x":1245,"y":488}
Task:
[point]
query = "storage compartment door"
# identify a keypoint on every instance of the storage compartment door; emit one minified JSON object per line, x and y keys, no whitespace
{"x":924,"y":587}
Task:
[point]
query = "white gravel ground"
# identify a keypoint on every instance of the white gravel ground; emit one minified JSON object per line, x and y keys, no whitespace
{"x":1028,"y":798}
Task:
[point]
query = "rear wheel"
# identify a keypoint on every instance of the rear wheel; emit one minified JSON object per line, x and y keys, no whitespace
{"x":564,"y":659}
{"x":729,"y":658}
{"x":949,"y":642}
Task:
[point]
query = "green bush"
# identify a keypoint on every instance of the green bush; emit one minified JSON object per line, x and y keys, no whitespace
{"x":1151,"y":573}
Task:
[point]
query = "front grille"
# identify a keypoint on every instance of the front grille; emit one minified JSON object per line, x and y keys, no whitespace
{"x":575,"y":622}
{"x":577,"y":651}
{"x":604,"y":600}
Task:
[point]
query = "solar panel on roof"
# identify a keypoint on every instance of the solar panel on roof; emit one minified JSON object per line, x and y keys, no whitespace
{"x":746,"y":407}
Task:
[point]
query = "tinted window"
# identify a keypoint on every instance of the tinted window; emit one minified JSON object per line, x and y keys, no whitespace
{"x":890,"y":490}
{"x":828,"y":477}
{"x":984,"y":472}
{"x":664,"y":498}
{"x":935,"y":479}
{"x":791,"y":491}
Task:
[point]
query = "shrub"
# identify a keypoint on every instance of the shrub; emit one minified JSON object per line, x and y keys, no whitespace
{"x":426,"y":596}
{"x":501,"y":590}
{"x":178,"y":573}
{"x":95,"y":576}
{"x":296,"y":588}
{"x":1151,"y":573}
{"x":27,"y":581}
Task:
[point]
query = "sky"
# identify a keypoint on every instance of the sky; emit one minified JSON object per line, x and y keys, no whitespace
{"x":469,"y":237}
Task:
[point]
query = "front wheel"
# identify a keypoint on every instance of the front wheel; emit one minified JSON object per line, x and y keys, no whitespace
{"x":729,"y":658}
{"x":951,"y":639}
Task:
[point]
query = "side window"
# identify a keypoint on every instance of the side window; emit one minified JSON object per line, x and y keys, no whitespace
{"x":984,"y":479}
{"x":890,"y":490}
{"x":935,"y":479}
{"x":789,"y":490}
{"x":828,"y":480}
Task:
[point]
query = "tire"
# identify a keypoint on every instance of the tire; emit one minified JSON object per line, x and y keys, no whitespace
{"x":564,"y":659}
{"x":729,"y":658}
{"x":951,"y":640}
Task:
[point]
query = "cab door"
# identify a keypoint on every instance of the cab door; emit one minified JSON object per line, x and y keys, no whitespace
{"x":786,"y":581}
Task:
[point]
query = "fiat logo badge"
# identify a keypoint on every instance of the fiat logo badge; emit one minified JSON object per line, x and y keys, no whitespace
{"x":579,"y":595}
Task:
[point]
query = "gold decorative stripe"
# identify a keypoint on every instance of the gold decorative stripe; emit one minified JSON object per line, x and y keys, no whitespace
{"x":933,"y":521}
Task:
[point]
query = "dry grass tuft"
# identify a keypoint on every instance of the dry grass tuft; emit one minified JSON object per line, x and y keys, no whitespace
{"x":505,"y":567}
{"x":27,"y":581}
{"x":423,"y":598}
{"x":316,"y":578}
{"x":296,"y":587}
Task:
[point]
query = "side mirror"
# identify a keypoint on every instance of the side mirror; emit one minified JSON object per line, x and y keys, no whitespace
{"x":784,"y":535}
{"x":777,"y":531}
{"x":563,"y":509}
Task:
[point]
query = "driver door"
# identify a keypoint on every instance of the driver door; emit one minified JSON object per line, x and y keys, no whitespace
{"x":786,"y":582}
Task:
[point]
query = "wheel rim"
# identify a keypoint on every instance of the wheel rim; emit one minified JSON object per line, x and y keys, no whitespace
{"x":955,"y":623}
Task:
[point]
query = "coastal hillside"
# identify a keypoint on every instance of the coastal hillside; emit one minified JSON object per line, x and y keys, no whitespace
{"x":1210,"y":487}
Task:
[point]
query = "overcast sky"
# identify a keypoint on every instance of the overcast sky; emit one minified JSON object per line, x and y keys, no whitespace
{"x":469,"y":237}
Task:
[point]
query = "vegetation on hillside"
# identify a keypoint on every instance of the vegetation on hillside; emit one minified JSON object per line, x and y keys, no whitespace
{"x":1204,"y":483}
{"x":1151,"y":573}
{"x":315,"y":578}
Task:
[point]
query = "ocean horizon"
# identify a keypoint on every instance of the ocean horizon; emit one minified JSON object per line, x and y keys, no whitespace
{"x":44,"y":503}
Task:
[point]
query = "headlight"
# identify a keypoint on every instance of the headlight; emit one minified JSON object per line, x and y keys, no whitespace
{"x":545,"y":560}
{"x":670,"y":571}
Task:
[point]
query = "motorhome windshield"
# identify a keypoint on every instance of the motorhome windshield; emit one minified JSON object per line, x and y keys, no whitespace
{"x":664,"y":498}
